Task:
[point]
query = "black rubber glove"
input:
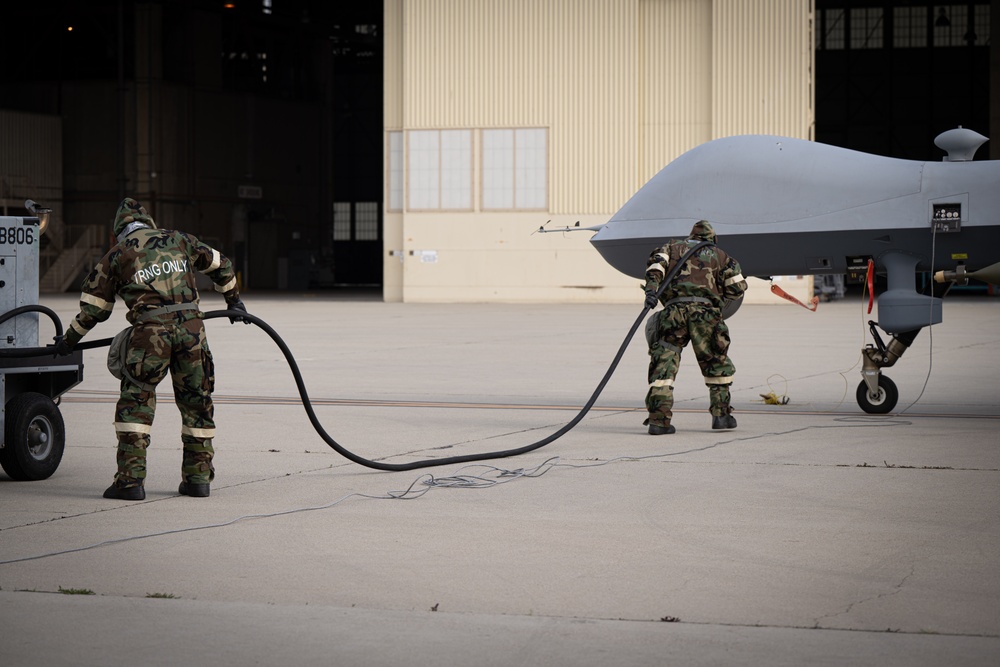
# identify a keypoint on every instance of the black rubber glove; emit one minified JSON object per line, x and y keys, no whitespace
{"x":651,"y":299}
{"x":236,"y":318}
{"x":62,"y":348}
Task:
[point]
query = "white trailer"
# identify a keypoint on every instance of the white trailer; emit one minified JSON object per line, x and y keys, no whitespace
{"x":32,"y":378}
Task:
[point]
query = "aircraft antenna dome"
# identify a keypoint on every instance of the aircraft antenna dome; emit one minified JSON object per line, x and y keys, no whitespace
{"x":961,"y":144}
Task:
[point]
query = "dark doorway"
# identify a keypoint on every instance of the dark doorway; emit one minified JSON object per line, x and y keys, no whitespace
{"x":187,"y":103}
{"x":892,"y":76}
{"x":262,"y":261}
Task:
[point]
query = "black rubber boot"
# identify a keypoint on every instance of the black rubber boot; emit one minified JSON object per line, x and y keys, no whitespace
{"x":115,"y":492}
{"x":193,"y":490}
{"x":655,"y":429}
{"x":725,"y":421}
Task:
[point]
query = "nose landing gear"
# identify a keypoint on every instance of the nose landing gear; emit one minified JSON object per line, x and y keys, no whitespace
{"x":877,"y":394}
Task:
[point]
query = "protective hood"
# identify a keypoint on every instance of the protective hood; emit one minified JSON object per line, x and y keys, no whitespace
{"x":702,"y":231}
{"x":131,"y":214}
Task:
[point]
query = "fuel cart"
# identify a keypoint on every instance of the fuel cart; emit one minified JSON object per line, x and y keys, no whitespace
{"x":31,"y":378}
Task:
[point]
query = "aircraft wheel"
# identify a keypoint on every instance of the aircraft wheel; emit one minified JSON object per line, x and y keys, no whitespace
{"x":34,"y":437}
{"x":882,"y":402}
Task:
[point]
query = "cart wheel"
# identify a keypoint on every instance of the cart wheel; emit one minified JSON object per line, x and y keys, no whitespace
{"x":882,"y":402}
{"x":34,"y":437}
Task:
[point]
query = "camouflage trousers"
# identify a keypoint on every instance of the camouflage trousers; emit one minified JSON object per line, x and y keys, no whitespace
{"x":708,"y":334}
{"x":180,"y":347}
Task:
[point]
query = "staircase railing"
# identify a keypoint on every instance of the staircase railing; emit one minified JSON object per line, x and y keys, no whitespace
{"x":60,"y":269}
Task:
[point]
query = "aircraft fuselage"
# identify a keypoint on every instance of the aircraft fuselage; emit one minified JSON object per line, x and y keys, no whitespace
{"x":790,"y":207}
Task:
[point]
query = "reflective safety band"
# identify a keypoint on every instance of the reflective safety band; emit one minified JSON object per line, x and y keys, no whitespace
{"x":132,"y":427}
{"x":662,"y":258}
{"x":96,"y":301}
{"x":216,"y":261}
{"x":75,"y":325}
{"x":738,"y":278}
{"x":225,"y":288}
{"x":200,"y":433}
{"x":725,"y":379}
{"x":656,"y":267}
{"x":662,"y":383}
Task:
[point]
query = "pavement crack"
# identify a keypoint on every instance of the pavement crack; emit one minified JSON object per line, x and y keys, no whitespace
{"x":885,"y":594}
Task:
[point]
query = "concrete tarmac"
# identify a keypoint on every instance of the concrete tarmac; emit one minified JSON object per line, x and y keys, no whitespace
{"x":812,"y":534}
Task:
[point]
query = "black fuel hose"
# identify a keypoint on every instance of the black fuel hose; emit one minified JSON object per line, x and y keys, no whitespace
{"x":378,"y":465}
{"x":427,"y":463}
{"x":50,"y":350}
{"x":34,"y":308}
{"x":414,"y":465}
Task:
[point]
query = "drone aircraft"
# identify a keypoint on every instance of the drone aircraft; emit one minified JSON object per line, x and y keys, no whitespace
{"x":792,"y":207}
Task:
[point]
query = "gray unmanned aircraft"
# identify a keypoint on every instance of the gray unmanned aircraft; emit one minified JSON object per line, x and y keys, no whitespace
{"x":792,"y":207}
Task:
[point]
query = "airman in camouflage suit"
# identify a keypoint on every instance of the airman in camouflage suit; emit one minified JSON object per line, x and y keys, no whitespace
{"x":692,"y":311}
{"x":153,"y":271}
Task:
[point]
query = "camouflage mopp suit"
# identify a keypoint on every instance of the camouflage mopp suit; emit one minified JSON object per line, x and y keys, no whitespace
{"x":692,"y":311}
{"x":153,"y":271}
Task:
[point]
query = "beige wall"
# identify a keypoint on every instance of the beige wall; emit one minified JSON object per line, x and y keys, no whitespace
{"x":622,"y":86}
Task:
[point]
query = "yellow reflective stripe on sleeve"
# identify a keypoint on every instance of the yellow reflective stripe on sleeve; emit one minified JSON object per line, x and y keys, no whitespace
{"x":661,"y":257}
{"x":661,"y":383}
{"x":204,"y":433}
{"x":216,"y":261}
{"x":738,"y":278}
{"x":225,"y":288}
{"x":726,"y":379}
{"x":96,"y":301}
{"x":77,"y":328}
{"x":656,"y":267}
{"x":132,"y":427}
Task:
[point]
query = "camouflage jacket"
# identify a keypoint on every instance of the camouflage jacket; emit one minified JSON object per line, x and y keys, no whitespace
{"x":710,"y":273}
{"x":150,"y":269}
